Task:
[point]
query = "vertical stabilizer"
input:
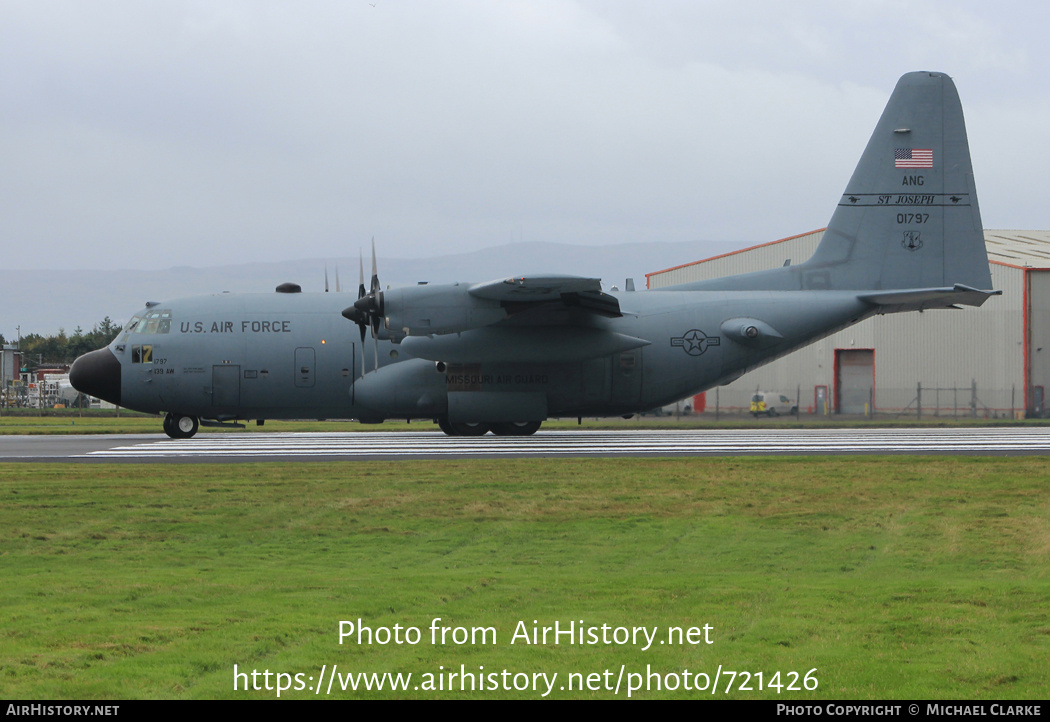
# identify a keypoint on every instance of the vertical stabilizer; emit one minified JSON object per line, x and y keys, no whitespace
{"x":909,"y":216}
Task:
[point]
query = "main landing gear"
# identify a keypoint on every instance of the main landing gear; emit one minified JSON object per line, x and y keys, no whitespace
{"x":513,"y":428}
{"x":178,"y":426}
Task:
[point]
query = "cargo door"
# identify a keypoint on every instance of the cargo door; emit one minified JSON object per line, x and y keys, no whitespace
{"x":226,"y":386}
{"x":627,"y":377}
{"x":594,"y":378}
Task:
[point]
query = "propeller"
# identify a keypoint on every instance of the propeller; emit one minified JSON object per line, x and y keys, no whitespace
{"x":368,"y":308}
{"x":374,"y":302}
{"x":354,"y":313}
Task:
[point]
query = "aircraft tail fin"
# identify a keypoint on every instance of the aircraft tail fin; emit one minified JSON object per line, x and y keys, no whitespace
{"x":909,"y":217}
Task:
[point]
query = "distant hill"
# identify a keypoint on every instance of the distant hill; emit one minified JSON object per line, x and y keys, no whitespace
{"x":42,"y":301}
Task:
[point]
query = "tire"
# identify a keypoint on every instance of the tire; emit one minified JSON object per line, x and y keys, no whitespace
{"x":178,"y":426}
{"x":516,"y":428}
{"x":445,"y":426}
{"x":470,"y":429}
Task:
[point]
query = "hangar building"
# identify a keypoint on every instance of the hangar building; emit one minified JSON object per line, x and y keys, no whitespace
{"x":992,"y":361}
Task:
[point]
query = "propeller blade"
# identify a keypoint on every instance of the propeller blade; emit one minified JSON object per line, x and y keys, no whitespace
{"x":356,"y":314}
{"x":375,"y":271}
{"x":326,"y":278}
{"x":361,"y":289}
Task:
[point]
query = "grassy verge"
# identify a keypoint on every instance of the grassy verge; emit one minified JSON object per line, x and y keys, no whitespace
{"x":891,"y":577}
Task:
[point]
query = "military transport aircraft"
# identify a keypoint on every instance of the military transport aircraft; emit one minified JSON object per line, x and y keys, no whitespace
{"x":507,"y":354}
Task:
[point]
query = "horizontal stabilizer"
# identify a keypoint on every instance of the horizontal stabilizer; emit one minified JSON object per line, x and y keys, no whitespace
{"x":917,"y":299}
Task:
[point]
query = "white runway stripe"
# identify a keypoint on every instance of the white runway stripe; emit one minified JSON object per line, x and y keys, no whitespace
{"x":596,"y":443}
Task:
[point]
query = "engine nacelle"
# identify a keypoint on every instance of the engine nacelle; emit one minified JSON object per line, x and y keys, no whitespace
{"x":435,"y":310}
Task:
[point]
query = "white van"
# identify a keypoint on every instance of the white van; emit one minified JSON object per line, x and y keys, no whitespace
{"x":772,"y":403}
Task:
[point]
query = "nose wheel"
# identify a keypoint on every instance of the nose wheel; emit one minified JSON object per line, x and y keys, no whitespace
{"x":178,"y":426}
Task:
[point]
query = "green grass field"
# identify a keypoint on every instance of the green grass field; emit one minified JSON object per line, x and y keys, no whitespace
{"x":892,"y":577}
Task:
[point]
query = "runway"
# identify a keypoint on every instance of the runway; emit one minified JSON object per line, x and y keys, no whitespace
{"x":253,"y":447}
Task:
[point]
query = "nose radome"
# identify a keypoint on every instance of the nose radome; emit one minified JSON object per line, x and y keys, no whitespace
{"x":97,"y":374}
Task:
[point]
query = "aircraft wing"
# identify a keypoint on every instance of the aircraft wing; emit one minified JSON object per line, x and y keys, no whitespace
{"x":524,"y":318}
{"x":569,"y":291}
{"x":918,"y":299}
{"x":439,"y":310}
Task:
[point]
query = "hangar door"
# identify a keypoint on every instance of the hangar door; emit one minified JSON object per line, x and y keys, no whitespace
{"x":1038,"y":347}
{"x":854,"y":380}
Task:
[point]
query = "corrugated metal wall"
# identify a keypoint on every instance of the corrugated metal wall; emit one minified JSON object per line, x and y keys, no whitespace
{"x":757,"y":258}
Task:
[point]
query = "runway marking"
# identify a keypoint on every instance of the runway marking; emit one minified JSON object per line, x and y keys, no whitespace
{"x":596,"y":443}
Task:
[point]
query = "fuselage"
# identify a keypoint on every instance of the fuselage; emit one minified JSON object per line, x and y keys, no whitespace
{"x":292,"y":355}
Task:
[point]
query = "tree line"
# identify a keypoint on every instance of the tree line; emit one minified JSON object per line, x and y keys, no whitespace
{"x":62,"y":348}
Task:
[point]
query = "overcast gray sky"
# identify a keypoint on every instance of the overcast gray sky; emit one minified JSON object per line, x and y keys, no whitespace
{"x":140,"y":134}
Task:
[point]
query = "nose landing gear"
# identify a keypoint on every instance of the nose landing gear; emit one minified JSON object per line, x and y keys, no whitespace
{"x":178,"y":426}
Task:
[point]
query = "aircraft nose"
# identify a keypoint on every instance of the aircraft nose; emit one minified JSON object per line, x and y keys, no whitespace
{"x":97,"y":374}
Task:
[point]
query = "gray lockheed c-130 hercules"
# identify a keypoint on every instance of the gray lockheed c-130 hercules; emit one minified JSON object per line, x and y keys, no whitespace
{"x":507,"y":354}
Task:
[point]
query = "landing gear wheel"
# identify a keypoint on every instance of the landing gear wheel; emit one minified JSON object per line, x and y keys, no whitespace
{"x":445,"y":426}
{"x":470,"y":429}
{"x":516,"y":428}
{"x":178,"y":426}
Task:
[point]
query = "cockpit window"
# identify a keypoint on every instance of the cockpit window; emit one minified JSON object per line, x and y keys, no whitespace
{"x":131,"y":326}
{"x":158,"y":321}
